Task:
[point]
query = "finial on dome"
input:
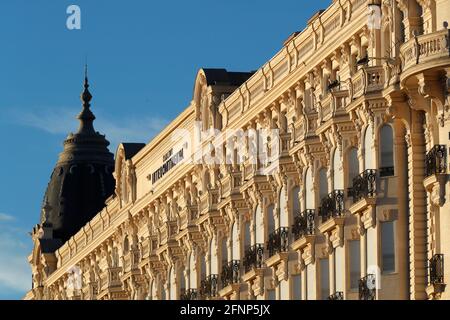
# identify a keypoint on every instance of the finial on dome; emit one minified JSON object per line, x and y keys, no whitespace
{"x":86,"y":116}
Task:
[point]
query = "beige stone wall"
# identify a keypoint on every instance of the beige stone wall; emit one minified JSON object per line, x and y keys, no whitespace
{"x":179,"y":237}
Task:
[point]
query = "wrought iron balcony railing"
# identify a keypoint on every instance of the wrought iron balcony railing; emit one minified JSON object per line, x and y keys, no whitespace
{"x":436,"y":160}
{"x":332,"y":205}
{"x":364,"y":185}
{"x":339,"y":295}
{"x":189,"y":294}
{"x":254,"y":257}
{"x":230,"y":273}
{"x":303,"y":224}
{"x":367,"y":287}
{"x":278,"y":241}
{"x":209,"y":286}
{"x":436,"y":269}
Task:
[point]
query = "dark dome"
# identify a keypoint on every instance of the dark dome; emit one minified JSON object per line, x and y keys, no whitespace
{"x":82,"y":179}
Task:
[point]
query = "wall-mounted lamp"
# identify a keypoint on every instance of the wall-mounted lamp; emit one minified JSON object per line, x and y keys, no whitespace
{"x":334,"y":84}
{"x":365,"y":60}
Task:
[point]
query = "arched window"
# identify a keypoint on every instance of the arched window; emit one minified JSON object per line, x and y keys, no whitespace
{"x":309,"y":192}
{"x":386,"y":151}
{"x":323,"y":183}
{"x":352,"y":165}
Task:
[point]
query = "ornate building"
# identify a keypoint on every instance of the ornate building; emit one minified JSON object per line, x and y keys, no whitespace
{"x":356,"y":204}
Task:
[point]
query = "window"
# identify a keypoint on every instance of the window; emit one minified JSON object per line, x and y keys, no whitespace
{"x":355,"y":263}
{"x":324,"y":279}
{"x":386,"y":151}
{"x":271,"y":219}
{"x":323,"y":183}
{"x":271,"y":294}
{"x":247,"y":235}
{"x":353,"y":165}
{"x":388,"y":246}
{"x":297,"y":287}
{"x":224,"y":251}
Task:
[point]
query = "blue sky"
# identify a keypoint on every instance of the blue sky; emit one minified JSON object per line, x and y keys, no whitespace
{"x":143,"y":57}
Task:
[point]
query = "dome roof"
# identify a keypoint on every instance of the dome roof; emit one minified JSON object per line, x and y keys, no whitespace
{"x":82,"y":179}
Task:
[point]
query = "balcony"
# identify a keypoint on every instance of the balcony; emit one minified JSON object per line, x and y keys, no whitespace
{"x":230,"y":273}
{"x":254,"y":257}
{"x":436,"y":283}
{"x":367,"y":80}
{"x":332,"y":205}
{"x":189,"y":294}
{"x":278,"y":241}
{"x":303,"y":224}
{"x":367,"y":287}
{"x":429,"y":47}
{"x":209,"y":287}
{"x":436,"y":160}
{"x":436,"y":269}
{"x":364,"y":185}
{"x":339,"y":295}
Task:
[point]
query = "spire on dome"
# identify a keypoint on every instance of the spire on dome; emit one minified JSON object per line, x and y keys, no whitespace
{"x":86,"y":116}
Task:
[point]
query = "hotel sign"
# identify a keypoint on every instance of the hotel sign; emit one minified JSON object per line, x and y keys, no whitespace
{"x":170,"y":160}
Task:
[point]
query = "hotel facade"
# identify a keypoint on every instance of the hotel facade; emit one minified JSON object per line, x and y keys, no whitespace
{"x":322,"y":175}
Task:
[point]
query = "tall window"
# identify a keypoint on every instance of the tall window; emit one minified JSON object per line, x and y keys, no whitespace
{"x":353,"y":165}
{"x":295,"y":200}
{"x":323,"y":183}
{"x":203,"y":266}
{"x":388,"y":246}
{"x":355,"y":263}
{"x":271,"y":219}
{"x":386,"y":151}
{"x":297,"y":287}
{"x":247,"y":235}
{"x":324,"y":279}
{"x":224,"y":251}
{"x":182,"y":280}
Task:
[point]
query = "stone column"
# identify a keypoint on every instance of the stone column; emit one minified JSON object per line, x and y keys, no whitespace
{"x":417,"y":205}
